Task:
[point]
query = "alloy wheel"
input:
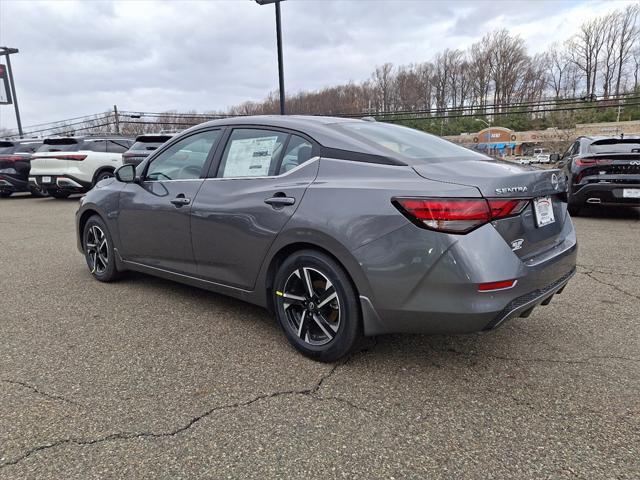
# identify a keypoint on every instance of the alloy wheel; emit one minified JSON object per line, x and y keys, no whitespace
{"x":97,"y":250}
{"x":311,"y":306}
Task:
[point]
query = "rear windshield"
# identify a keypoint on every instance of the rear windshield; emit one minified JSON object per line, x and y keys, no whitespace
{"x":146,"y":145}
{"x":615,"y":146}
{"x":59,"y":145}
{"x":70,"y":145}
{"x":407,"y":142}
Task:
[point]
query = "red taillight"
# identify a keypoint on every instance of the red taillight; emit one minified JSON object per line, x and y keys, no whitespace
{"x":505,"y":208}
{"x":589,"y":162}
{"x":12,"y":158}
{"x":76,"y":158}
{"x":493,"y":286}
{"x":457,"y":215}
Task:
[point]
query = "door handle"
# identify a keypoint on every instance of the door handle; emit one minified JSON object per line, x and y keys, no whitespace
{"x":180,"y":200}
{"x":280,"y":201}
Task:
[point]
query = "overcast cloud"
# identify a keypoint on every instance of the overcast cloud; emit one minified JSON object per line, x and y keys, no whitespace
{"x":82,"y":57}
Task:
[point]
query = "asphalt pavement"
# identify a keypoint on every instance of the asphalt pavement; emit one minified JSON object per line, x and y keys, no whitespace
{"x":145,"y":378}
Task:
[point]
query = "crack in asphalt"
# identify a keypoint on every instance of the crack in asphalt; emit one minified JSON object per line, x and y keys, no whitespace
{"x":615,"y":287}
{"x":309,"y":392}
{"x":598,"y":269}
{"x":40,"y":392}
{"x":579,"y":361}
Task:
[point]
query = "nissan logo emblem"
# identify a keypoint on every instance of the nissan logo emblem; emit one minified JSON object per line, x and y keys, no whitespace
{"x":554,"y":181}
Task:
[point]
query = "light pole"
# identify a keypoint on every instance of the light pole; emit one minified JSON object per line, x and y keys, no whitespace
{"x":6,"y":51}
{"x":488,"y":131}
{"x":279,"y":41}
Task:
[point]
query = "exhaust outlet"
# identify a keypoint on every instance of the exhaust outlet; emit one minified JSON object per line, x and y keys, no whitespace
{"x":594,"y":200}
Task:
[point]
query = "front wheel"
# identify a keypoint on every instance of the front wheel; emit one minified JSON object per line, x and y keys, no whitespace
{"x":317,"y":306}
{"x":98,"y":250}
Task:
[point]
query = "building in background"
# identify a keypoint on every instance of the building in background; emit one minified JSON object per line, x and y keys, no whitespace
{"x":502,"y":142}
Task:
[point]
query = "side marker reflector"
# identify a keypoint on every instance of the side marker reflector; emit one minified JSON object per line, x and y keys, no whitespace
{"x":493,"y":286}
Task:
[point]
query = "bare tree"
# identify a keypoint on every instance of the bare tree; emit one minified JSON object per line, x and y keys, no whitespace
{"x":629,"y":32}
{"x":556,"y":65}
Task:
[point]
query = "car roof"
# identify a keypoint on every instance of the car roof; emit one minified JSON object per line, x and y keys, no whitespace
{"x":597,"y":138}
{"x":10,"y":143}
{"x":82,"y":139}
{"x":321,"y":129}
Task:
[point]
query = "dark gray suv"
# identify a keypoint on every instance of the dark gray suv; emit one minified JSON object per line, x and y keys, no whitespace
{"x":341,"y":227}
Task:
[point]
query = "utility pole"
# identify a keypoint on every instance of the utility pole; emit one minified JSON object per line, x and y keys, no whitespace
{"x":6,"y":51}
{"x":279,"y":45}
{"x":115,"y":115}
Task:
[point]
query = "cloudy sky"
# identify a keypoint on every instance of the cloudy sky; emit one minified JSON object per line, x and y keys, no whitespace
{"x":82,"y":57}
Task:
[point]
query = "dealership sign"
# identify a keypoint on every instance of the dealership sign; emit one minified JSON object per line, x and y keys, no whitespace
{"x":5,"y":93}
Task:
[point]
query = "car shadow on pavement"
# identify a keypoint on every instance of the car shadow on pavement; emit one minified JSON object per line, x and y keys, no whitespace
{"x":623,"y":213}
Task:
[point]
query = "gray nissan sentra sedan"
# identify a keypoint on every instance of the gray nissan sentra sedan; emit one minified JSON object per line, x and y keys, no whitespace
{"x":340,"y":227}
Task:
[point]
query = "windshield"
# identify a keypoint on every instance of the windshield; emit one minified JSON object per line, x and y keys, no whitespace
{"x":615,"y":146}
{"x":408,"y":141}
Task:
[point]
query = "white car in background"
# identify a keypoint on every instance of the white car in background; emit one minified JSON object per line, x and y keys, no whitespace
{"x":67,"y":165}
{"x":543,"y":158}
{"x":523,"y":161}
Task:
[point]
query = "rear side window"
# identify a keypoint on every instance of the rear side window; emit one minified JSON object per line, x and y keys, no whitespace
{"x":94,"y":145}
{"x":407,"y":142}
{"x":118,"y":146}
{"x":252,"y":153}
{"x":298,"y":151}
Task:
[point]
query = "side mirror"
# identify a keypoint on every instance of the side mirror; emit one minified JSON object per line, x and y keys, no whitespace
{"x":126,"y":173}
{"x":555,"y":157}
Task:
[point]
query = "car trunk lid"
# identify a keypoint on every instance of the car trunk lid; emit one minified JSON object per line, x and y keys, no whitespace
{"x":499,"y":179}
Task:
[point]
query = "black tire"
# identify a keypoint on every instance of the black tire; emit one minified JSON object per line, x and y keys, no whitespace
{"x":38,"y":192}
{"x":100,"y":257}
{"x":102,"y":175}
{"x":574,"y":210}
{"x":5,"y":194}
{"x":322,"y":332}
{"x":59,"y":194}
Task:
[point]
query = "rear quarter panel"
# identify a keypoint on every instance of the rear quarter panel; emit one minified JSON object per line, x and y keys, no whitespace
{"x":349,"y":205}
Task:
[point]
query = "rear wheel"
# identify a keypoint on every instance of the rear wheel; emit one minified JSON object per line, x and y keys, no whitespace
{"x":98,"y":250}
{"x":103,"y":175}
{"x":38,"y":192}
{"x":317,"y":306}
{"x":574,"y":210}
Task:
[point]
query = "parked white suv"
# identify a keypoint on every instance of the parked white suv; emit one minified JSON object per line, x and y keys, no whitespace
{"x":66,"y":165}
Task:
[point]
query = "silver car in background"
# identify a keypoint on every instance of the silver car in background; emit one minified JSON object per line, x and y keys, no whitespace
{"x":340,"y":227}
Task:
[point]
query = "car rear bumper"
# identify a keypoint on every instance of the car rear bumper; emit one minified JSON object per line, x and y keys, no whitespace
{"x":421,"y":282}
{"x":605,"y":194}
{"x":9,"y":183}
{"x":64,"y":183}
